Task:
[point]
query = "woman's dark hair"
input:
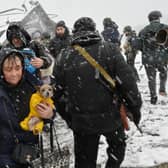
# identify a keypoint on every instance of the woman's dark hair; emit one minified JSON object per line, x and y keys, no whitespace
{"x":12,"y":57}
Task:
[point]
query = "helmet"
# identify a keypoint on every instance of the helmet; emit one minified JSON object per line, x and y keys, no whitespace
{"x":107,"y":22}
{"x":127,"y":29}
{"x":84,"y":24}
{"x":154,"y":15}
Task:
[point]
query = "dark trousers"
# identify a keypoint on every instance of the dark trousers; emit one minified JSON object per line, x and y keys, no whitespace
{"x":151,"y":74}
{"x":86,"y":149}
{"x":13,"y":166}
{"x":7,"y":162}
{"x":6,"y":165}
{"x":131,"y":62}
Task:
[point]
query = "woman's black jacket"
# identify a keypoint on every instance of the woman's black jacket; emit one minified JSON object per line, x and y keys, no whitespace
{"x":14,"y":106}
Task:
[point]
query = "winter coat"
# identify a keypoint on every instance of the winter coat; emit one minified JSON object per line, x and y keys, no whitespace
{"x":111,"y":34}
{"x":130,"y":45}
{"x":58,"y":43}
{"x":91,"y":106}
{"x":14,"y":106}
{"x":40,"y":50}
{"x":152,"y":53}
{"x":17,"y":107}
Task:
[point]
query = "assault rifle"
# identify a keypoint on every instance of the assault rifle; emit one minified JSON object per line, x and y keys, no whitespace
{"x":125,"y":98}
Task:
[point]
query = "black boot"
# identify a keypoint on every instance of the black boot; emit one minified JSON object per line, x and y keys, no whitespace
{"x":153,"y":99}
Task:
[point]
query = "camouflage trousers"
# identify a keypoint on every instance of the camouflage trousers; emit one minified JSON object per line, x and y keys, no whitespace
{"x":151,"y":71}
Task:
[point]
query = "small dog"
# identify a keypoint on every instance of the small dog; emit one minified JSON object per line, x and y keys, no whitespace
{"x":33,"y":122}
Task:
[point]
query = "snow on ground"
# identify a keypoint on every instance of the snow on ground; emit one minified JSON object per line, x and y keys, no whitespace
{"x":151,"y":147}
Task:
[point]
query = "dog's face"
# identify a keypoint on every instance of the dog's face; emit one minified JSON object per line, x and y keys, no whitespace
{"x":46,"y":90}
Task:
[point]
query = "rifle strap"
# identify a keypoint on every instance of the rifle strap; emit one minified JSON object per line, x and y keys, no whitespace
{"x":95,"y":64}
{"x":106,"y":76}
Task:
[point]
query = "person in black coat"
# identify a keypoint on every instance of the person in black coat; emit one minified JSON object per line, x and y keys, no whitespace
{"x":89,"y":107}
{"x":37,"y":55}
{"x":110,"y":32}
{"x":16,"y":89}
{"x":61,"y":39}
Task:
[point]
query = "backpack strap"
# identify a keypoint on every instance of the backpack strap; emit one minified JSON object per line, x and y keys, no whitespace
{"x":95,"y":64}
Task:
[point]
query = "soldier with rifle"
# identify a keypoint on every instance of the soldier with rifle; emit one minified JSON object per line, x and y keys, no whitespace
{"x":153,"y":55}
{"x":83,"y":74}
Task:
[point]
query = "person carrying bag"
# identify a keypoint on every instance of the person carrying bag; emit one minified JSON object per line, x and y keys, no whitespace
{"x":23,"y":153}
{"x":17,"y":147}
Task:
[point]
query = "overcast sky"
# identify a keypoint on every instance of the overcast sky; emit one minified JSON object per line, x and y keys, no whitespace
{"x":123,"y":12}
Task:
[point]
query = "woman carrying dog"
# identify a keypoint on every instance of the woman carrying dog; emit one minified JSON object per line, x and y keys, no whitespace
{"x":15,"y":93}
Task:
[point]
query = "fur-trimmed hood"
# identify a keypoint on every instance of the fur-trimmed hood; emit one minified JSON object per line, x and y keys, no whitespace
{"x":16,"y":30}
{"x":86,"y":37}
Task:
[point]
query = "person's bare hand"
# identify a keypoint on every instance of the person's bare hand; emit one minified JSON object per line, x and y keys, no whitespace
{"x":45,"y":110}
{"x":37,"y":62}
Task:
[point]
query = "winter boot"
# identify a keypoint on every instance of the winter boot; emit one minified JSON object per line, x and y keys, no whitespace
{"x":153,"y":99}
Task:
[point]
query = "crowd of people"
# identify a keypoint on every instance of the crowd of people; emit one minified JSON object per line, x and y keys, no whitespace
{"x":90,"y":98}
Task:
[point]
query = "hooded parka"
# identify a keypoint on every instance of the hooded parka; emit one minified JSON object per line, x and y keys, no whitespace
{"x":14,"y":106}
